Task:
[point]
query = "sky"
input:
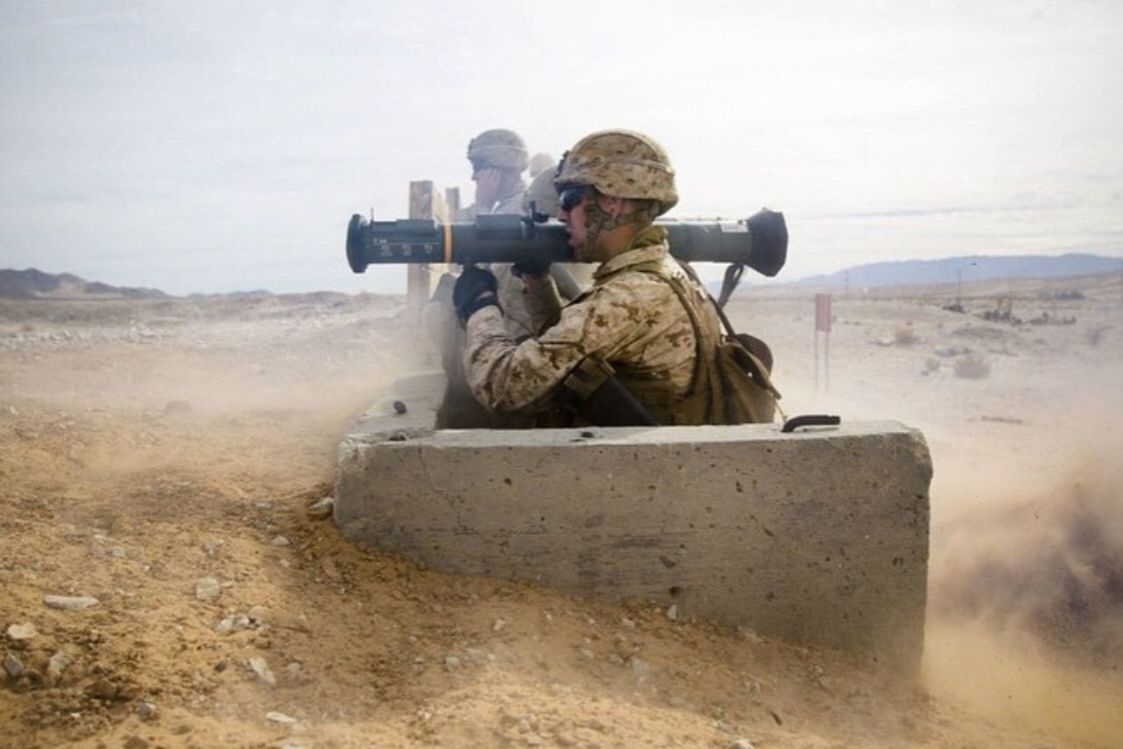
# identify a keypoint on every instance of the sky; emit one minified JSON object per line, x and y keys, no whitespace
{"x":221,"y":146}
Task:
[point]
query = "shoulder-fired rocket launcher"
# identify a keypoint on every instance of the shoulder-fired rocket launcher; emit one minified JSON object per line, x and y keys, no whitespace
{"x":760,"y":241}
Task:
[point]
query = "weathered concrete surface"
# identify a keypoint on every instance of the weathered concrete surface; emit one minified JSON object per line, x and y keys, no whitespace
{"x":819,"y":536}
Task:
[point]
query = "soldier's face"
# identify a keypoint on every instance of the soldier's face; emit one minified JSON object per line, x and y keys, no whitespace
{"x":487,"y":181}
{"x":574,"y":220}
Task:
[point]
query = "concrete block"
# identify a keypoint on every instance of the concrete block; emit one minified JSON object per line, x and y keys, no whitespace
{"x":817,"y":536}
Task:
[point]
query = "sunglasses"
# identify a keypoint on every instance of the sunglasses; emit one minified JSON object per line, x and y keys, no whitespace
{"x":571,"y":197}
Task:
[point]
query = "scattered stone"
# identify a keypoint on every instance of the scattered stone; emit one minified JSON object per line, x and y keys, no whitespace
{"x":258,"y":614}
{"x":13,"y":665}
{"x":207,"y":589}
{"x":331,"y":571}
{"x":232,"y":624}
{"x":261,"y":668}
{"x":285,"y":720}
{"x":24,"y":631}
{"x":451,"y":663}
{"x":220,"y":666}
{"x":499,"y":625}
{"x":145,"y":710}
{"x":69,"y":603}
{"x":56,"y":664}
{"x":672,"y":612}
{"x":263,"y":504}
{"x":322,"y":509}
{"x":280,"y":541}
{"x":627,"y":622}
{"x":742,"y":744}
{"x":212,"y":546}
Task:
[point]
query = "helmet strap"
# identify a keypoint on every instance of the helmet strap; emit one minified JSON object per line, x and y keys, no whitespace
{"x":598,"y":220}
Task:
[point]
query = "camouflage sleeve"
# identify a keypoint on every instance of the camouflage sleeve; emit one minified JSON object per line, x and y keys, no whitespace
{"x":513,"y":301}
{"x":544,"y":304}
{"x":507,"y":377}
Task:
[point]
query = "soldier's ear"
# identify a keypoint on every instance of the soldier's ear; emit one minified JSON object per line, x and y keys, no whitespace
{"x":614,"y":206}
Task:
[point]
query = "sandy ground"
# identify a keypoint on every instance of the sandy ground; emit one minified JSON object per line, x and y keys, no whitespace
{"x":166,"y":458}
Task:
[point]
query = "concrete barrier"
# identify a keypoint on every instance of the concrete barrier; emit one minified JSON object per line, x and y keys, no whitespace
{"x":817,"y":536}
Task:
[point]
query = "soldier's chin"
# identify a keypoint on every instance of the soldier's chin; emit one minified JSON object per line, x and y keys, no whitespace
{"x":582,"y":253}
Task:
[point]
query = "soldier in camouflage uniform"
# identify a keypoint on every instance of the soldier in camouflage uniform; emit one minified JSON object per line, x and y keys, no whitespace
{"x":645,"y":319}
{"x":498,"y":158}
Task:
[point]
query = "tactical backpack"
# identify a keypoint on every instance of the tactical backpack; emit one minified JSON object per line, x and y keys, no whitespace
{"x":738,"y":375}
{"x":731,"y":382}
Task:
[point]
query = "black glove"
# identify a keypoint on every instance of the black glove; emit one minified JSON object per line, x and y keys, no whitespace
{"x":535,"y":268}
{"x":475,"y":289}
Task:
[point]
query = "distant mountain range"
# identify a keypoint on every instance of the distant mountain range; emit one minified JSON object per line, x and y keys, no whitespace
{"x":968,"y":268}
{"x":32,"y":284}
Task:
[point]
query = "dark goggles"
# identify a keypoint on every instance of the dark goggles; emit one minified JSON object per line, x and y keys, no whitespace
{"x":571,"y":197}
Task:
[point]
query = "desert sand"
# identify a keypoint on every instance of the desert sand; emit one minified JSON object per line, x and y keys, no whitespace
{"x":169,"y":459}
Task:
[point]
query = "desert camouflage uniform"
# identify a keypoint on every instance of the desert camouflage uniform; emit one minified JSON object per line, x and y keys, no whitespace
{"x":631,"y":318}
{"x":459,"y":409}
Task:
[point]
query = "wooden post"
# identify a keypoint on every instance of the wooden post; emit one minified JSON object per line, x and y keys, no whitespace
{"x":452,"y":202}
{"x":424,"y":202}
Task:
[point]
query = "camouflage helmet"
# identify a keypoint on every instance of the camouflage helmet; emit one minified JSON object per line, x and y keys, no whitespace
{"x":623,"y":164}
{"x":543,"y":194}
{"x":499,"y":148}
{"x":541,"y":162}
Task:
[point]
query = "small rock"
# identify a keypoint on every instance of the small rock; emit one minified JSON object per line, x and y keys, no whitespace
{"x":145,"y":710}
{"x":232,"y":624}
{"x":280,"y":541}
{"x":69,"y":603}
{"x":285,"y":720}
{"x":672,"y":612}
{"x":499,"y":625}
{"x":331,"y":571}
{"x":212,"y":546}
{"x":207,"y":589}
{"x":23,"y":631}
{"x":742,"y":744}
{"x":13,"y":665}
{"x":261,"y":668}
{"x":56,"y":664}
{"x":452,"y":662}
{"x":258,"y":614}
{"x":322,"y":509}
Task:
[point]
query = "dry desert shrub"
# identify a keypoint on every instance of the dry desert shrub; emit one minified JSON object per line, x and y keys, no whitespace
{"x":972,"y":367}
{"x":1095,"y":336}
{"x":905,"y":336}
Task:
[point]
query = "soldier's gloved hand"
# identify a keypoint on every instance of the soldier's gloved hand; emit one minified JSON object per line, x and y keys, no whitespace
{"x":532,"y":268}
{"x":475,"y":289}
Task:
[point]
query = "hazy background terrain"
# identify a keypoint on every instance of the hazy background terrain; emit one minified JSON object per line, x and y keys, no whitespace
{"x":213,"y":146}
